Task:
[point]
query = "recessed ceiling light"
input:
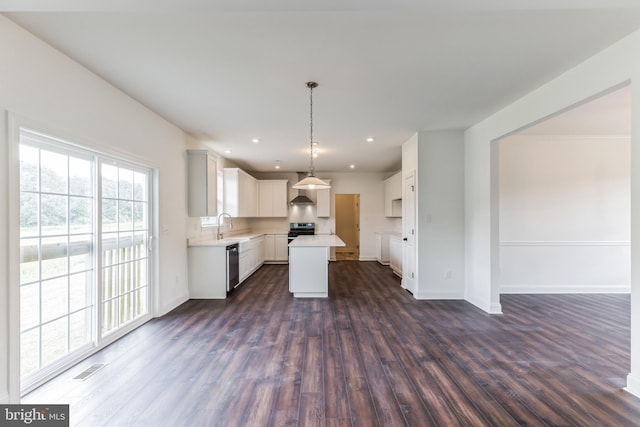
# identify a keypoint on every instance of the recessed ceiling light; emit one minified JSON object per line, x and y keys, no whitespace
{"x":277,"y":164}
{"x":370,"y":139}
{"x":352,"y":166}
{"x":227,"y":151}
{"x":255,"y":140}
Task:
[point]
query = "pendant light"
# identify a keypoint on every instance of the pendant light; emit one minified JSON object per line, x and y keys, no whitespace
{"x":310,"y":182}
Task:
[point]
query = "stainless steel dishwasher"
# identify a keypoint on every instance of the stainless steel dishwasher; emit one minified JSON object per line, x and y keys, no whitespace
{"x":233,"y":268}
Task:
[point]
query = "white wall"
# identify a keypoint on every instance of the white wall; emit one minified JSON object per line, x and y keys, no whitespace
{"x":615,"y":66}
{"x":42,"y":86}
{"x":440,"y":215}
{"x":564,"y":214}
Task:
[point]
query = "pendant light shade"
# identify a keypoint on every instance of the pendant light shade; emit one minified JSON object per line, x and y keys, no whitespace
{"x":310,"y":182}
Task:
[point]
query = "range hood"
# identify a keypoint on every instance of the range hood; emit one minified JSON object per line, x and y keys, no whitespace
{"x":301,"y":198}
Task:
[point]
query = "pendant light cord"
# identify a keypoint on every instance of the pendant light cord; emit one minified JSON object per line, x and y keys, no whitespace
{"x":311,"y":85}
{"x":311,"y":168}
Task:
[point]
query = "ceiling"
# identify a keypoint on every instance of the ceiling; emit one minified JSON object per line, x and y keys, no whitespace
{"x":229,"y":71}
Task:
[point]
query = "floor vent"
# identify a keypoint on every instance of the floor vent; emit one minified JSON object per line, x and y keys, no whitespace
{"x":89,"y":371}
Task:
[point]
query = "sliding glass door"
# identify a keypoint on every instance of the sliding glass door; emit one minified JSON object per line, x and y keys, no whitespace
{"x":125,"y":257}
{"x":84,"y":260}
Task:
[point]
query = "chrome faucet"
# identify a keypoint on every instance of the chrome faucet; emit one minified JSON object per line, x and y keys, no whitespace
{"x":220,"y":235}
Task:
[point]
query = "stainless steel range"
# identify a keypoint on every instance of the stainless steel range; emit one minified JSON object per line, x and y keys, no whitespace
{"x":300,"y":229}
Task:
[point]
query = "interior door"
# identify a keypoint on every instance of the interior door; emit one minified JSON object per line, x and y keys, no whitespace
{"x":409,"y":279}
{"x":348,"y":225}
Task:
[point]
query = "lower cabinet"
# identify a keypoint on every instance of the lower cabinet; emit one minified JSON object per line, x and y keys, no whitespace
{"x":382,"y":248}
{"x":207,"y":272}
{"x":395,"y":254}
{"x":252,"y":254}
{"x":276,"y":248}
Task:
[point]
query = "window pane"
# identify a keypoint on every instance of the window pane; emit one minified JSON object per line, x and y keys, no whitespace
{"x":80,"y":215}
{"x":141,"y":301}
{"x":54,"y":298}
{"x":80,"y":250}
{"x":109,"y":282}
{"x":109,"y":316}
{"x":53,"y":172}
{"x":140,"y":272}
{"x":126,"y":276}
{"x":28,"y":214}
{"x":54,"y":256}
{"x":125,"y":215}
{"x":29,"y":161}
{"x":109,"y":181}
{"x":80,"y":329}
{"x":29,"y":351}
{"x":140,"y":186}
{"x":54,"y":340}
{"x":29,"y":306}
{"x":109,"y":249}
{"x":126,"y":245}
{"x":29,"y":260}
{"x":125,"y":184}
{"x":80,"y":291}
{"x":80,"y":177}
{"x":140,"y":215}
{"x":53,"y":214}
{"x":126,"y":308}
{"x":140,"y":243}
{"x":109,"y":215}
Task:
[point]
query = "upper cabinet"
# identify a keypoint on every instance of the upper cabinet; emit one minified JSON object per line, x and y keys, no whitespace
{"x":240,"y":193}
{"x":202,"y":184}
{"x":323,"y":201}
{"x":393,"y":196}
{"x":272,"y":198}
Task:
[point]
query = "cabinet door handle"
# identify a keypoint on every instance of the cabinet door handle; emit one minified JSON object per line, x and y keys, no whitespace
{"x":405,"y":239}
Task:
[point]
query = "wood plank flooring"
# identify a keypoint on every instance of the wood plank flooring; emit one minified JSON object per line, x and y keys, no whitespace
{"x":368,"y":355}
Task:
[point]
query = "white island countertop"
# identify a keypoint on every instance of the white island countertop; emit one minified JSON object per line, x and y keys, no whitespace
{"x":316,"y":240}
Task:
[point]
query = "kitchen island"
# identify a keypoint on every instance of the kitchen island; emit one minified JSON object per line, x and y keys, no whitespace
{"x":309,"y":265}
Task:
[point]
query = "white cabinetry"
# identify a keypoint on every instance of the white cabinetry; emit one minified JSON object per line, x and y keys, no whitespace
{"x":282,"y":247}
{"x":272,"y":198}
{"x":276,"y":248}
{"x":257,"y":244}
{"x":323,"y":201}
{"x":240,"y":193}
{"x":201,"y":184}
{"x":207,"y":272}
{"x":244,"y":260}
{"x":393,"y":196}
{"x":382,"y":248}
{"x":251,"y":256}
{"x":395,"y":254}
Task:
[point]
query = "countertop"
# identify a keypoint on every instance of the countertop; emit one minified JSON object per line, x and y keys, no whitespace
{"x":244,"y":237}
{"x":318,"y":240}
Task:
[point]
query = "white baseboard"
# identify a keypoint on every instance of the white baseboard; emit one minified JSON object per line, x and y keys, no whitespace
{"x":565,"y":289}
{"x":439,"y":295}
{"x":173,"y":304}
{"x":633,"y":385}
{"x":491,"y":308}
{"x":367,"y":258}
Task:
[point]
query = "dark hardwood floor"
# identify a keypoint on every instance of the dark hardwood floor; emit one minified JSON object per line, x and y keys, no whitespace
{"x":368,"y":355}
